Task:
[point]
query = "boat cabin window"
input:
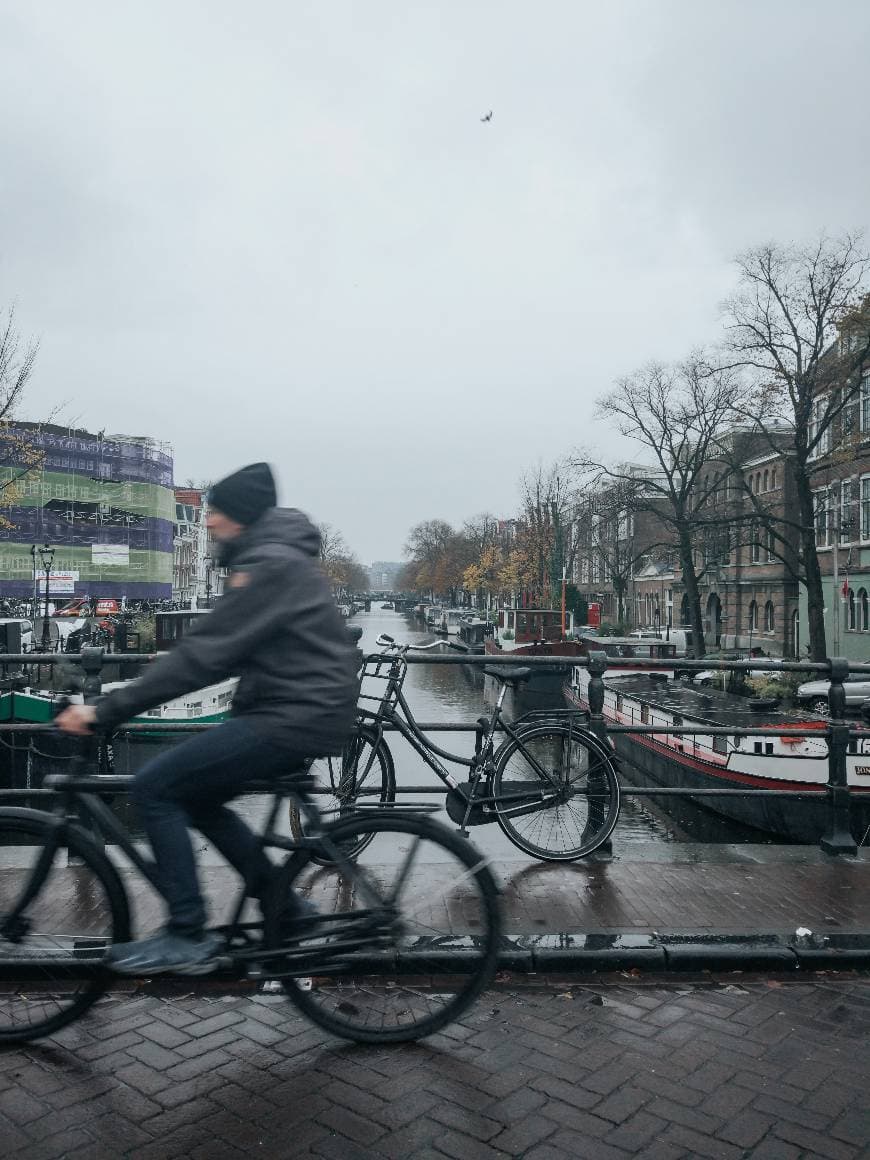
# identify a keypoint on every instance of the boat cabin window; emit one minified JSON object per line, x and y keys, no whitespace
{"x":720,"y":744}
{"x":644,"y":714}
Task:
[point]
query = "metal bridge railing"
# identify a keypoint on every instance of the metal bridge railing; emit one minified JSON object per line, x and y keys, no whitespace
{"x":837,"y":732}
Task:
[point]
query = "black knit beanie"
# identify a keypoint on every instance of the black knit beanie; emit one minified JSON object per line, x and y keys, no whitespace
{"x":246,"y":494}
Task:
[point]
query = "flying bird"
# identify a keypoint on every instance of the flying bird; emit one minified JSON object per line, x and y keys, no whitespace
{"x":488,"y":116}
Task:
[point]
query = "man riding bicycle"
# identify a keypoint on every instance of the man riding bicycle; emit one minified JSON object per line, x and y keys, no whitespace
{"x":276,"y":628}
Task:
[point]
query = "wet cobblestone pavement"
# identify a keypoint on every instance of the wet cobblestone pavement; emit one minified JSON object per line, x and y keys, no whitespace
{"x":732,"y":1066}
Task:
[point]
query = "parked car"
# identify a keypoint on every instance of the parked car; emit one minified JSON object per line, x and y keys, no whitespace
{"x":814,"y":694}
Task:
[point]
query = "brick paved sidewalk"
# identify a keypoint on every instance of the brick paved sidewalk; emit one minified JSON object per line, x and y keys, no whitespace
{"x":774,"y":1069}
{"x":726,"y":889}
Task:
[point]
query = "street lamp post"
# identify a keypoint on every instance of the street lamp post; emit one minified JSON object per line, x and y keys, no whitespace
{"x":46,"y":553}
{"x":34,"y":612}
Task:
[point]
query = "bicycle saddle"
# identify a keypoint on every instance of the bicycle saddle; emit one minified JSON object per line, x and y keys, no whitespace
{"x":510,"y":674}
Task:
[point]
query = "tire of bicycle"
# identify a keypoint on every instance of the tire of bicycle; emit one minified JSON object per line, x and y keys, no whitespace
{"x":482,"y":965}
{"x":382,"y":772}
{"x":33,"y":828}
{"x":607,"y":800}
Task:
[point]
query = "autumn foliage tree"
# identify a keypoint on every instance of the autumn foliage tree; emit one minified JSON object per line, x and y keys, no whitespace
{"x":20,"y":458}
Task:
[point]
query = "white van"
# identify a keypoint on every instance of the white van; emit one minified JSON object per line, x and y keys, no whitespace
{"x":680,"y":637}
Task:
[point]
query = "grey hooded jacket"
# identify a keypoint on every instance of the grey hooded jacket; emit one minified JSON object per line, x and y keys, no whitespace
{"x":276,"y":628}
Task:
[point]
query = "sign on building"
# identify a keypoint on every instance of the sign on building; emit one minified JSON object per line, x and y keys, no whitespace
{"x":111,"y":555}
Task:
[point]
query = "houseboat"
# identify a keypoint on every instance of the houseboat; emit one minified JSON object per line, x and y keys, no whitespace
{"x":763,"y":759}
{"x":22,"y":765}
{"x":451,"y":619}
{"x":532,"y":632}
{"x":473,"y":631}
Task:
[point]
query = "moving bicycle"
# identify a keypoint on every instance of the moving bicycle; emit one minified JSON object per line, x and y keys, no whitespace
{"x":389,"y":948}
{"x":546,"y":779}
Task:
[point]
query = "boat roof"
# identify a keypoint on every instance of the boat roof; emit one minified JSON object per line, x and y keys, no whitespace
{"x":634,"y":641}
{"x":712,"y":706}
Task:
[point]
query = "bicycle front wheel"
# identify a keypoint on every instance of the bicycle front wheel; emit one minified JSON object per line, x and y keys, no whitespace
{"x":51,"y":955}
{"x":556,"y":793}
{"x":364,"y":773}
{"x":406,"y":938}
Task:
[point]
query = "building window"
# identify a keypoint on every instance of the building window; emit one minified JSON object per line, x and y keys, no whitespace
{"x":864,"y":403}
{"x":865,"y":609}
{"x":755,"y":546}
{"x":821,"y":499}
{"x":768,"y":616}
{"x":766,"y":480}
{"x":771,"y":545}
{"x":865,"y":508}
{"x":852,"y":623}
{"x":819,"y":434}
{"x":847,"y":515}
{"x":773,"y":480}
{"x":753,"y":617}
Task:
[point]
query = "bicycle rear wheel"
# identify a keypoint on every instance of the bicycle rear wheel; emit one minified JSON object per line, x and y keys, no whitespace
{"x":407,"y":937}
{"x":50,"y":961}
{"x":579,"y":786}
{"x":364,"y":772}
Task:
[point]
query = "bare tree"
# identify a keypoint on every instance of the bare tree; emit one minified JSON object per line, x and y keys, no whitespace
{"x":332,"y":543}
{"x":679,"y":415}
{"x":602,"y":519}
{"x":548,"y":500}
{"x":799,"y":327}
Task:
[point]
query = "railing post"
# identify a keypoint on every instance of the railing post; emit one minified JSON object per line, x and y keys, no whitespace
{"x":595,"y":694}
{"x":92,"y":664}
{"x":838,"y":838}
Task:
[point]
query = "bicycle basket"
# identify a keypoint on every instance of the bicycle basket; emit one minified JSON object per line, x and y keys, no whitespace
{"x":381,"y":680}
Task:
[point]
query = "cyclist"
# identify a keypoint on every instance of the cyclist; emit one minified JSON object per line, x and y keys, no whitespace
{"x":278,"y":629}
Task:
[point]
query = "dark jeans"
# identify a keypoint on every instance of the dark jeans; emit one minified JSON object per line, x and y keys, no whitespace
{"x":188,"y":786}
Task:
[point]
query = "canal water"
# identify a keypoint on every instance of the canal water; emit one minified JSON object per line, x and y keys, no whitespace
{"x":451,"y":693}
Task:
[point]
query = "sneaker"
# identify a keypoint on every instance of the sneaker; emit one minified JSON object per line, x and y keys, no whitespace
{"x":166,"y":953}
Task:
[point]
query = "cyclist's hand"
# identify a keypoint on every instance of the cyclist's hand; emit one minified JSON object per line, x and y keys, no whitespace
{"x":77,"y":719}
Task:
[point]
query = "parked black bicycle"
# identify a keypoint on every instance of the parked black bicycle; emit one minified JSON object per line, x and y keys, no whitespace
{"x":402,"y":943}
{"x":550,"y":783}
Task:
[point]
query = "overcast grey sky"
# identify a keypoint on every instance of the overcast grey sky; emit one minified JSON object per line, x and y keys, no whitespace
{"x":281,"y":231}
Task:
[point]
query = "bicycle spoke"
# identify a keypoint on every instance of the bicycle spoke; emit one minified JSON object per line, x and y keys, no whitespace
{"x":574,"y":819}
{"x":405,"y":871}
{"x":436,"y":935}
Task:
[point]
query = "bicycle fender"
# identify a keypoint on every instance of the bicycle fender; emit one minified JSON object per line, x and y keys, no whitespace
{"x":23,"y":813}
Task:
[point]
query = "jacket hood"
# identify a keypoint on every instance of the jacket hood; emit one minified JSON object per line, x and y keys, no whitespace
{"x":286,"y":526}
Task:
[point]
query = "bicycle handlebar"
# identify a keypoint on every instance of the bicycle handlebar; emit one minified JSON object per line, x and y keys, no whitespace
{"x":387,"y":642}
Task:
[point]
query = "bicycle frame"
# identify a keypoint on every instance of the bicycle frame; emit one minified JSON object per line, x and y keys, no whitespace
{"x":388,"y":712}
{"x":79,"y":802}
